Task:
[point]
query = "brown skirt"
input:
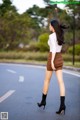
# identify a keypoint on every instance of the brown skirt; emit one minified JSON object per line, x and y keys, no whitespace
{"x":58,"y":62}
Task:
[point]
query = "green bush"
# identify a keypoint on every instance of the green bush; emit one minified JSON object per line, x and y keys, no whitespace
{"x":33,"y":46}
{"x":36,"y":56}
{"x":12,"y":55}
{"x":77,"y":49}
{"x":42,"y":43}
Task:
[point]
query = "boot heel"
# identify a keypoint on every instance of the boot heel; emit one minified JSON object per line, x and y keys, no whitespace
{"x":44,"y":107}
{"x":61,"y":110}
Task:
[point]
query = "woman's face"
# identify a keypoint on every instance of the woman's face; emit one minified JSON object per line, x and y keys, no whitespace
{"x":51,"y":28}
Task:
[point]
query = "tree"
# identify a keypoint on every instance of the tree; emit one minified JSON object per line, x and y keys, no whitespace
{"x":7,"y":12}
{"x":15,"y":29}
{"x":46,"y":1}
{"x":37,"y":15}
{"x":6,"y":6}
{"x":74,"y":10}
{"x":74,"y":13}
{"x":41,"y":15}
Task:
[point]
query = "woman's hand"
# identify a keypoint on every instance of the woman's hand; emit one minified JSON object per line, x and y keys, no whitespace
{"x":52,"y":65}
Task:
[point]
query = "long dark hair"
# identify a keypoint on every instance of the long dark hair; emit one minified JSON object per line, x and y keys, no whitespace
{"x":59,"y":31}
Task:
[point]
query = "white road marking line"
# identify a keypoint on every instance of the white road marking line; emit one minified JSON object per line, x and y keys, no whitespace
{"x":21,"y":78}
{"x":6,"y":95}
{"x":42,"y":67}
{"x":69,"y":72}
{"x":11,"y":71}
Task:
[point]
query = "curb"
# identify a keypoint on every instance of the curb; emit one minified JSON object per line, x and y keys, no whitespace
{"x":72,"y":68}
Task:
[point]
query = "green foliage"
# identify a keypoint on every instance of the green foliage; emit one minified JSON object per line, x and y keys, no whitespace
{"x":42,"y":43}
{"x":30,"y":26}
{"x":75,"y":12}
{"x":6,"y":6}
{"x":68,"y":37}
{"x":14,"y":31}
{"x":33,"y":46}
{"x":68,"y":57}
{"x":78,"y":34}
{"x":77,"y":49}
{"x":15,"y":28}
{"x":38,"y":15}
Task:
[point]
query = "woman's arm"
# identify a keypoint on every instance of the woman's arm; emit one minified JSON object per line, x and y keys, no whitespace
{"x":53,"y":49}
{"x":52,"y":61}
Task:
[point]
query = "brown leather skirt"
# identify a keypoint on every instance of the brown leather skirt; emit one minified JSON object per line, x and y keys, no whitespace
{"x":58,"y":62}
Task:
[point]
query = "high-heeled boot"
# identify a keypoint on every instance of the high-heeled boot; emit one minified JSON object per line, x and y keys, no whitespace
{"x":62,"y":106}
{"x":43,"y":101}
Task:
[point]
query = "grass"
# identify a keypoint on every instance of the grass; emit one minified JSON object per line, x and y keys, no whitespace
{"x":34,"y":58}
{"x":77,"y":64}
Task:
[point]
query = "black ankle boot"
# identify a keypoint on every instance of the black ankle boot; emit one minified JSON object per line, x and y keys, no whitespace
{"x":62,"y":106}
{"x":43,"y":102}
{"x":61,"y":110}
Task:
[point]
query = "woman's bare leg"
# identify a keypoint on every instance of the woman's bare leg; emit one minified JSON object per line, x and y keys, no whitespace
{"x":61,"y":82}
{"x":45,"y":88}
{"x":47,"y":81}
{"x":62,"y":92}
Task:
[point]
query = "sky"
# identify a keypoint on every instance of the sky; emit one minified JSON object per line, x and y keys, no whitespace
{"x":23,"y":5}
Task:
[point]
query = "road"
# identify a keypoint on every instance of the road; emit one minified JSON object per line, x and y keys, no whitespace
{"x":21,"y":89}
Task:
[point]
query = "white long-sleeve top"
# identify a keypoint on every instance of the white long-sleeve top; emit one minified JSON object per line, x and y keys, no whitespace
{"x":53,"y":43}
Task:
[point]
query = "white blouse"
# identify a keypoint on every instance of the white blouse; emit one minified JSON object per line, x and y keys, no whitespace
{"x":53,"y":43}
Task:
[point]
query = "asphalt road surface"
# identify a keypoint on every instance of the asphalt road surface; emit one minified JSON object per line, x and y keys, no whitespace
{"x":21,"y":89}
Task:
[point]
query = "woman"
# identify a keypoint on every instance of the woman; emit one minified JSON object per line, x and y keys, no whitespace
{"x":54,"y":63}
